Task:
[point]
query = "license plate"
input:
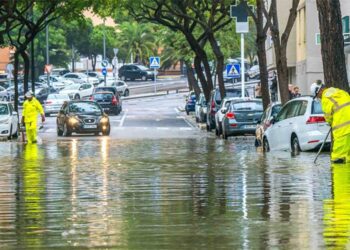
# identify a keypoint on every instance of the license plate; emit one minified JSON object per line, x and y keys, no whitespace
{"x":250,"y":126}
{"x":90,"y":126}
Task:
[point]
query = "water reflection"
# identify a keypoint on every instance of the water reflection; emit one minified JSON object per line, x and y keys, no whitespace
{"x":165,"y":194}
{"x":337,"y":209}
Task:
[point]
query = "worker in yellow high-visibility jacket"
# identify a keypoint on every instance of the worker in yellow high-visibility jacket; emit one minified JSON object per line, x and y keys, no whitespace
{"x":336,"y":108}
{"x":31,"y":108}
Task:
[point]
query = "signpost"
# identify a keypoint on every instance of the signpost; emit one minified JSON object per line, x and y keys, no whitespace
{"x":115,"y":64}
{"x":154,"y":63}
{"x":104,"y":65}
{"x":240,"y":13}
{"x":233,"y":70}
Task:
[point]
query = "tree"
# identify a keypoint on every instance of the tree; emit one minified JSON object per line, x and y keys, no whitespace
{"x":332,"y":44}
{"x":280,"y":43}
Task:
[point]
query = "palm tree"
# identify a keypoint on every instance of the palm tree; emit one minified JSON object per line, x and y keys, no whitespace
{"x":138,"y":40}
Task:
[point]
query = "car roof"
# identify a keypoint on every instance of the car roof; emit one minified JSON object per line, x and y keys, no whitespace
{"x":103,"y":92}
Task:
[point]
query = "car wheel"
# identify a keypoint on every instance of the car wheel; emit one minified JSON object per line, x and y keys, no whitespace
{"x":295,"y":145}
{"x":126,"y":92}
{"x":66,"y":131}
{"x":208,"y":128}
{"x":197,"y":120}
{"x":224,"y":135}
{"x":10,"y":134}
{"x":144,"y":78}
{"x":107,"y":131}
{"x":77,"y":97}
{"x":266,"y":145}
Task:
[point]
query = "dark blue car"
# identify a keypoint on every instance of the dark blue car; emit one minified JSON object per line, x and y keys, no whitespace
{"x":190,"y":103}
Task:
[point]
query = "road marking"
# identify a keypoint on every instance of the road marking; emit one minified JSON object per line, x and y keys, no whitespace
{"x":188,"y":123}
{"x":162,"y":128}
{"x":187,"y":129}
{"x":123,"y":119}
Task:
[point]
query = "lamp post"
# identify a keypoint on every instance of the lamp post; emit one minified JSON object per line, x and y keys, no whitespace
{"x":47,"y":53}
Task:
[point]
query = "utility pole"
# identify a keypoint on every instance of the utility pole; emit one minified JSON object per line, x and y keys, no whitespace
{"x":32,"y":56}
{"x":47,"y":53}
{"x":104,"y":39}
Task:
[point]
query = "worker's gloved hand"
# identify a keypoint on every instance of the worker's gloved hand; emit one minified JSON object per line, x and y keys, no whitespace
{"x":43,"y":118}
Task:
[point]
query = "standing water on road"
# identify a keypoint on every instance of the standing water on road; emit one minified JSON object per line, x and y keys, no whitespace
{"x":169,"y":194}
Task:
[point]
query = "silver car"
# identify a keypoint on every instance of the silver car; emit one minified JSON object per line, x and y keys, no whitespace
{"x":54,"y":103}
{"x":4,"y":95}
{"x":241,"y":117}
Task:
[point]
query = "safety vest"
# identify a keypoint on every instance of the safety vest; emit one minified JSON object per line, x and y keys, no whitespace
{"x":31,"y":110}
{"x":336,"y":107}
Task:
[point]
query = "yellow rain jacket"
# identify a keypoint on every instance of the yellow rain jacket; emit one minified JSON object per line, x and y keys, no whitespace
{"x":336,"y":107}
{"x":31,"y":110}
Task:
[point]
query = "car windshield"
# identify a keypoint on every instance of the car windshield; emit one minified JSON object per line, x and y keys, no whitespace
{"x":85,"y":108}
{"x":247,"y":106}
{"x":143,"y":67}
{"x":4,"y":109}
{"x":73,"y":86}
{"x":58,"y":96}
{"x":229,"y":93}
{"x":316,"y":107}
{"x":103,"y":96}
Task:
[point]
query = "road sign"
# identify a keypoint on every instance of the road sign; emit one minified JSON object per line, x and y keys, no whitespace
{"x":240,"y":13}
{"x":104,"y":63}
{"x":104,"y":71}
{"x":154,"y":62}
{"x":9,"y":69}
{"x":233,"y":70}
{"x":48,"y":68}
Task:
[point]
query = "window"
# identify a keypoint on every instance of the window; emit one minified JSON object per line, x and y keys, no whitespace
{"x":303,"y":108}
{"x":345,"y":24}
{"x":316,"y":108}
{"x":4,"y":109}
{"x":283,"y":113}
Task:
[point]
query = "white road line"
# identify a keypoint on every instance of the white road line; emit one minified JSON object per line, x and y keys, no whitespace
{"x":186,"y":129}
{"x":162,"y":128}
{"x":188,"y":123}
{"x":123,"y":119}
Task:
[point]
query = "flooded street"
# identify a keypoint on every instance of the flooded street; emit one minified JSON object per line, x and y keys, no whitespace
{"x":169,"y":194}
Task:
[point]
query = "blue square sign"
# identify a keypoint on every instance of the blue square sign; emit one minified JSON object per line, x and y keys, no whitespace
{"x":154,"y":62}
{"x":233,"y":70}
{"x":104,"y":71}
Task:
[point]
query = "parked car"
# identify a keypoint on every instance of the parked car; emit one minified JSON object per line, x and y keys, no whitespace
{"x":265,"y":121}
{"x":41,"y":95}
{"x":220,"y":114}
{"x":82,"y":117}
{"x":215,"y":103}
{"x":59,"y":72}
{"x":11,"y":91}
{"x":109,"y":102}
{"x":4,"y":95}
{"x":254,"y":72}
{"x":95,"y":74}
{"x":135,"y":71}
{"x":8,"y":120}
{"x":241,"y":117}
{"x":121,"y":86}
{"x":56,"y":82}
{"x":78,"y":91}
{"x":54,"y":103}
{"x":81,"y":78}
{"x":190,"y":103}
{"x":299,"y":126}
{"x":201,"y":109}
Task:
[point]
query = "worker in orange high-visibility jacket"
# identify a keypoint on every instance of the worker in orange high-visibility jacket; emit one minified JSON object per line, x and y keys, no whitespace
{"x":336,"y":108}
{"x":31,"y":108}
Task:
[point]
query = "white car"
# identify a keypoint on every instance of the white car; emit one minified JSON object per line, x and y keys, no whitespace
{"x":78,"y":91}
{"x":81,"y":78}
{"x":254,"y":72}
{"x":299,"y":126}
{"x":4,"y":95}
{"x":121,"y":86}
{"x":219,"y":115}
{"x":201,"y":109}
{"x":54,"y":103}
{"x":56,"y":82}
{"x":8,"y":120}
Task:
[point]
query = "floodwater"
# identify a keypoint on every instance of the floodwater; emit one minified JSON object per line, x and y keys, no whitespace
{"x":169,"y":194}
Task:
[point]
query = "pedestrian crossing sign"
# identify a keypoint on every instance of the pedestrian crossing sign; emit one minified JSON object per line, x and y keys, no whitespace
{"x":233,"y":70}
{"x":154,"y":62}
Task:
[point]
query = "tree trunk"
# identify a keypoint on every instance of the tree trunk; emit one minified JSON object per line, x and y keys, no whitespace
{"x":15,"y":78}
{"x":332,"y":44}
{"x":26,"y":62}
{"x":282,"y":73}
{"x":220,"y":63}
{"x":192,"y":80}
{"x":261,"y":51}
{"x":206,"y":88}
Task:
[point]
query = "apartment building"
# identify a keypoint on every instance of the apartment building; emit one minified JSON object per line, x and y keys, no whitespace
{"x":304,"y":47}
{"x":5,"y":56}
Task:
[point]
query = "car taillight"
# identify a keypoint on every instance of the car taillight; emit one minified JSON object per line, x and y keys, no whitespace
{"x":114,"y":101}
{"x":91,"y":98}
{"x":315,"y":119}
{"x":230,"y":115}
{"x":48,"y":102}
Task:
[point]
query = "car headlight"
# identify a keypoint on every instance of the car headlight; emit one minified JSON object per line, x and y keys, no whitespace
{"x":73,"y":121}
{"x":104,"y":120}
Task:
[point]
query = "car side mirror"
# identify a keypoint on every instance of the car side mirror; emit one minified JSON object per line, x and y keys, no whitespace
{"x":14,"y":113}
{"x":273,"y":120}
{"x":224,"y":110}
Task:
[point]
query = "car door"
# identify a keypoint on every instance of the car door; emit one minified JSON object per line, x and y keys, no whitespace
{"x":288,"y":124}
{"x":274,"y":132}
{"x":14,"y":118}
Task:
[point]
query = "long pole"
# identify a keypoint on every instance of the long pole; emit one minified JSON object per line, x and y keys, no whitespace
{"x":155,"y":80}
{"x":324,"y":142}
{"x":32,"y":56}
{"x":47,"y":53}
{"x":104,"y":40}
{"x":242,"y":65}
